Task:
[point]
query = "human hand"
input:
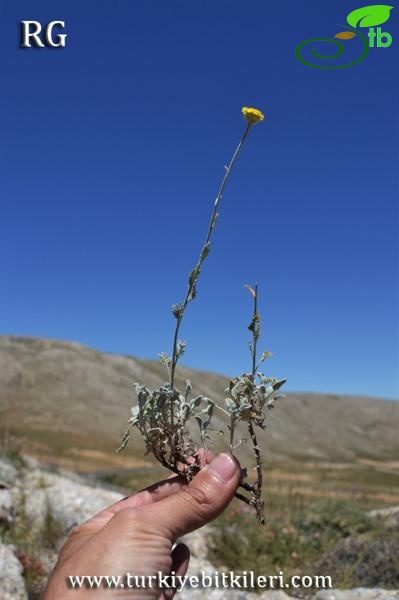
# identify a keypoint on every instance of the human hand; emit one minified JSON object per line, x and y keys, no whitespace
{"x":137,"y":534}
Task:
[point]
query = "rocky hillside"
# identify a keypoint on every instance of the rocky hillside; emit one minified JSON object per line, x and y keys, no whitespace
{"x":39,"y":507}
{"x":71,"y":403}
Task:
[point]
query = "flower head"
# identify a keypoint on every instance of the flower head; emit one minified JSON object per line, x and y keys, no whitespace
{"x":252,"y":115}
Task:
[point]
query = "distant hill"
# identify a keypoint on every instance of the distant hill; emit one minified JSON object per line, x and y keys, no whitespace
{"x":71,"y":404}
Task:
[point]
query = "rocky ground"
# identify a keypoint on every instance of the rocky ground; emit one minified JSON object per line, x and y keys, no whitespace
{"x":39,"y":507}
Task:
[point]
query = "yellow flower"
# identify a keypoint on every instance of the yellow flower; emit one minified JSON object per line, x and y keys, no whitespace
{"x":252,"y":115}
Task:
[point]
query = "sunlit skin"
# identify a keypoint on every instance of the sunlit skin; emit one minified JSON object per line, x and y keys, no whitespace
{"x":138,"y":534}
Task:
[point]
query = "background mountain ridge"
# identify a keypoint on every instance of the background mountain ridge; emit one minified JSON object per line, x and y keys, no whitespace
{"x":71,"y":403}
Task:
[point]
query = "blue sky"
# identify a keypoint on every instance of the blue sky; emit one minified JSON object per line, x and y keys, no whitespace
{"x":112,"y":152}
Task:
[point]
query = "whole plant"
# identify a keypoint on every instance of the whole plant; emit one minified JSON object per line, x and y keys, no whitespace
{"x":162,"y":415}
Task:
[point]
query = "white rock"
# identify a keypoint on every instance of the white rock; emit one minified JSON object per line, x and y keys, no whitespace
{"x":70,"y":500}
{"x":389,"y":516}
{"x":8,"y":473}
{"x":12,"y":584}
{"x":6,"y":503}
{"x":198,"y":542}
{"x":357,"y":594}
{"x":211,"y":594}
{"x":30,"y":494}
{"x":273,"y":595}
{"x":224,"y":594}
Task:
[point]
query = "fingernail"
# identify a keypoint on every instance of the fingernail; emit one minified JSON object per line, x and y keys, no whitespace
{"x":223,"y":466}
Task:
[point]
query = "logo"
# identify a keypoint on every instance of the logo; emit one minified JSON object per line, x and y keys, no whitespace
{"x":367,"y":17}
{"x":31,"y":32}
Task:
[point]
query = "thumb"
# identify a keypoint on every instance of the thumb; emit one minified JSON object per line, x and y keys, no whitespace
{"x":205,"y":497}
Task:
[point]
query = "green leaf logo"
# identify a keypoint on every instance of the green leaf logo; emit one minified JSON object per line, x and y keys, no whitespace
{"x":368,"y":16}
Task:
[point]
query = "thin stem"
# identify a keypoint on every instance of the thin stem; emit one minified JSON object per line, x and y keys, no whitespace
{"x":231,"y":427}
{"x":193,"y":279}
{"x":255,"y":326}
{"x":255,"y":333}
{"x":222,"y":409}
{"x":242,"y":498}
{"x":259,"y":468}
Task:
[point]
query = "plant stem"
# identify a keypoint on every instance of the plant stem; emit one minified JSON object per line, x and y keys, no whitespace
{"x":255,"y":332}
{"x":259,"y":466}
{"x":202,"y":257}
